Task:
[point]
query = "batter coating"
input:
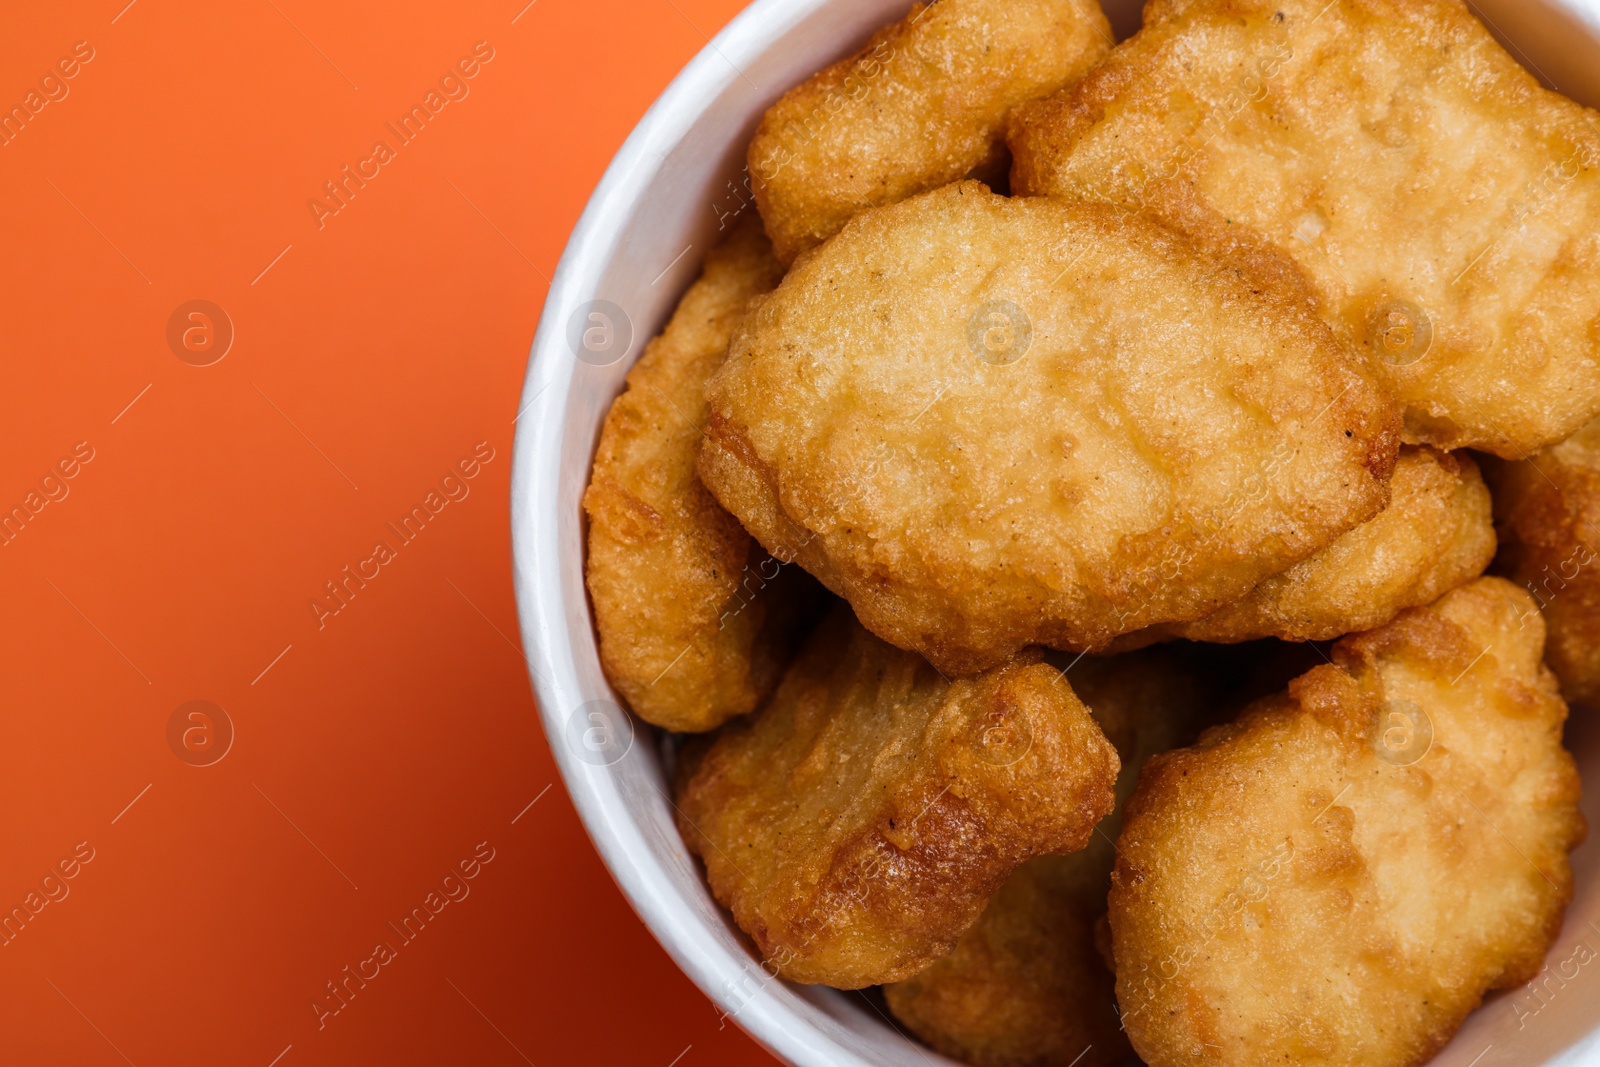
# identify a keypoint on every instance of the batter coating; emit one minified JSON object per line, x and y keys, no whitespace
{"x":1445,"y":207}
{"x":992,"y":422}
{"x":1548,"y":508}
{"x":857,"y":825}
{"x":1342,"y":874}
{"x":695,"y":621}
{"x":1437,"y":533}
{"x":922,"y":105}
{"x":1026,"y":987}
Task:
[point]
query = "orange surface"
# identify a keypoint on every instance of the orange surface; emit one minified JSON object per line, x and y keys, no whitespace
{"x":183,"y":909}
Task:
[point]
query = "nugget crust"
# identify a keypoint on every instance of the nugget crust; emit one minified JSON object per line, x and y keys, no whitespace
{"x":1026,"y":987}
{"x":1437,"y":533}
{"x":922,"y":105}
{"x":1399,"y":156}
{"x":1169,"y":437}
{"x":1321,"y":883}
{"x":1548,"y":509}
{"x":667,"y":565}
{"x":856,"y":825}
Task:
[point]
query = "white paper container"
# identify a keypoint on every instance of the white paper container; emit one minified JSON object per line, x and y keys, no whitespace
{"x":638,"y":246}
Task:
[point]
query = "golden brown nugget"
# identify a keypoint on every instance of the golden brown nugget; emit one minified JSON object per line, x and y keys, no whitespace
{"x":1026,"y":987}
{"x":1444,"y":206}
{"x":1548,"y":509}
{"x":1342,"y":874}
{"x":688,"y":634}
{"x":922,"y":105}
{"x":857,"y":824}
{"x":992,"y":422}
{"x":1437,"y":533}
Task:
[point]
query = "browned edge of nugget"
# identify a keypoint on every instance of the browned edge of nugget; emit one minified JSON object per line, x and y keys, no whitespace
{"x":1027,"y":985}
{"x":856,"y":826}
{"x":1437,"y":533}
{"x":1548,"y":511}
{"x":922,"y":105}
{"x":695,"y":620}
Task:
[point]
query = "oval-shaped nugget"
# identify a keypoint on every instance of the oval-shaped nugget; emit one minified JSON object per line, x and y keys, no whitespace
{"x":1339,"y":876}
{"x":991,"y":422}
{"x":1548,"y":509}
{"x":1027,"y":986}
{"x":695,"y":621}
{"x":858,"y":823}
{"x":1445,"y":207}
{"x":1437,"y":533}
{"x":922,"y":105}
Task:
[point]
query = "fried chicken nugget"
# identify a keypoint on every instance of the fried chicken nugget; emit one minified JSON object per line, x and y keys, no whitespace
{"x":1445,"y":206}
{"x":856,"y":825}
{"x":1548,"y":508}
{"x":1339,"y":876}
{"x":992,"y":422}
{"x":922,"y":105}
{"x":1437,"y":533}
{"x":695,"y":622}
{"x":1026,"y":987}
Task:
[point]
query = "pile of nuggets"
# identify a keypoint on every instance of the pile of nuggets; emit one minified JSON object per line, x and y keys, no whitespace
{"x":1062,"y":517}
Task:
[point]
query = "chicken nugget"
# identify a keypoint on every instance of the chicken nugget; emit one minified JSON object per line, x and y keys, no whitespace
{"x":1548,"y":510}
{"x":695,"y":621}
{"x":1026,"y":987}
{"x":1445,"y":207}
{"x":1437,"y":533}
{"x":1342,"y":874}
{"x":922,"y":105}
{"x":857,"y":824}
{"x":992,"y":422}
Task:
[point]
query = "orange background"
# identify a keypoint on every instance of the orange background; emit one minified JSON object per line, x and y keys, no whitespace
{"x":371,"y":755}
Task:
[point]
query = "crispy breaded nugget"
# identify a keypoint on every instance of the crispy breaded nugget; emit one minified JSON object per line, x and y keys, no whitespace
{"x":1445,"y":207}
{"x":1025,"y":987}
{"x":1548,"y":509}
{"x":922,"y":105}
{"x":992,"y":422}
{"x":1340,"y":876}
{"x":694,"y":619}
{"x":856,"y":825}
{"x":1437,"y":533}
